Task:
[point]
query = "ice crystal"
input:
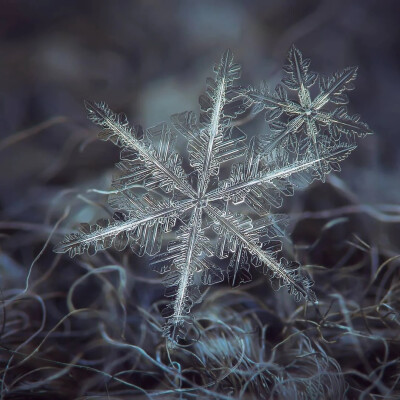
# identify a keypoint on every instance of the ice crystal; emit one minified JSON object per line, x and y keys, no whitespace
{"x":214,"y":218}
{"x":310,"y":125}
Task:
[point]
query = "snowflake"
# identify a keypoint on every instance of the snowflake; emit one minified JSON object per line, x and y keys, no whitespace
{"x":304,"y":129}
{"x":214,"y":217}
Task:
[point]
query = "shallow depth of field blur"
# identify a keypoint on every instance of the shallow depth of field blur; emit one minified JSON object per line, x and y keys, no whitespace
{"x":89,"y":327}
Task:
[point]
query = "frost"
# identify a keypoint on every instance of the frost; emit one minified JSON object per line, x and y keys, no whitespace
{"x":213,"y":218}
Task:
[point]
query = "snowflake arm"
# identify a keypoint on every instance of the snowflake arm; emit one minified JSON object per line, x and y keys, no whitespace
{"x":158,"y":163}
{"x":210,"y":141}
{"x":340,"y":122}
{"x":332,"y":88}
{"x":261,"y":179}
{"x":299,"y":78}
{"x":141,"y":228}
{"x":244,"y":238}
{"x":185,"y":254}
{"x":273,"y":103}
{"x":188,"y":266}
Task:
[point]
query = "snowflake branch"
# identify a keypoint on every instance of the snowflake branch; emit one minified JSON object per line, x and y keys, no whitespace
{"x":268,"y":100}
{"x":187,"y":273}
{"x":267,"y":177}
{"x":116,"y":232}
{"x":219,"y":106}
{"x":117,"y":130}
{"x":214,"y":129}
{"x":335,"y":86}
{"x":179,"y":282}
{"x":344,"y":123}
{"x":298,"y":285}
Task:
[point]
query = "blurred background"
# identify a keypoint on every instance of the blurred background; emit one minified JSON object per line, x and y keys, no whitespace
{"x":150,"y":59}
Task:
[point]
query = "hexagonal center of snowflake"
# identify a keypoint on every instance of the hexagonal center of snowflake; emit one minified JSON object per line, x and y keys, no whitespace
{"x":308,"y":112}
{"x":202,"y":202}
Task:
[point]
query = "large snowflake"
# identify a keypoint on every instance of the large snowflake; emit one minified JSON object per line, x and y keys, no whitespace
{"x":214,"y":218}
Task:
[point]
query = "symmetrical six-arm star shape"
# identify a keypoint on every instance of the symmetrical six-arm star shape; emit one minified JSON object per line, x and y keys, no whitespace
{"x":156,"y":194}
